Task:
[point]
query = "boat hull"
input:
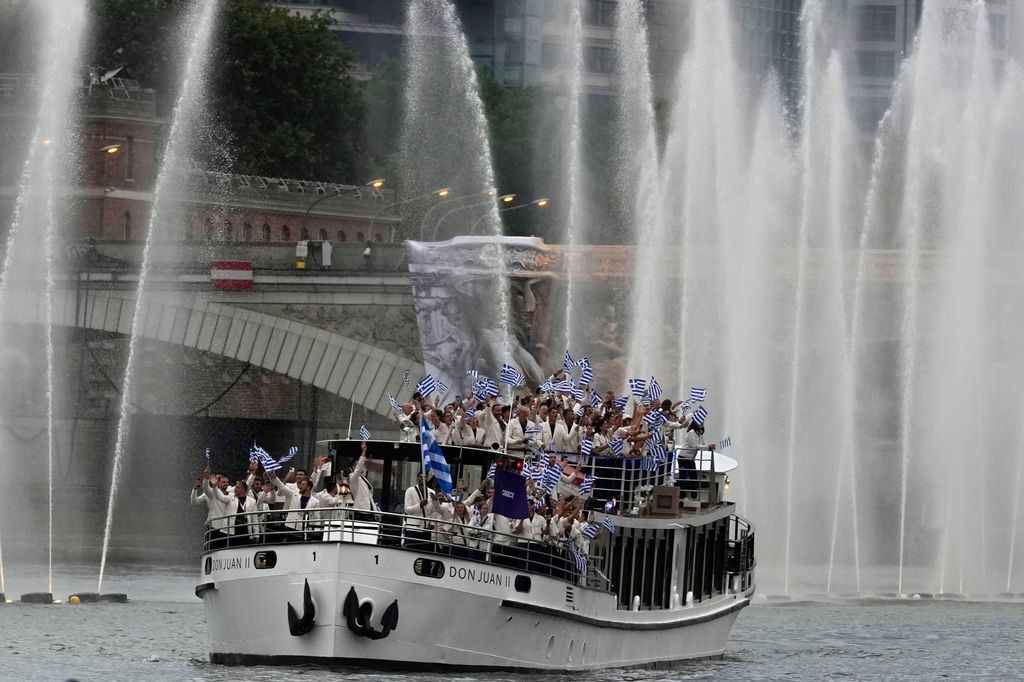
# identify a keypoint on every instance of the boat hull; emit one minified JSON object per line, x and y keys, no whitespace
{"x":450,"y":614}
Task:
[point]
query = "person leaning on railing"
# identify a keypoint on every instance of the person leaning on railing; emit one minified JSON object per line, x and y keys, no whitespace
{"x":217,"y":513}
{"x":300,"y":520}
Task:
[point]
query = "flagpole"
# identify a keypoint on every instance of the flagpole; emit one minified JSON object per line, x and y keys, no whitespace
{"x":351,"y":410}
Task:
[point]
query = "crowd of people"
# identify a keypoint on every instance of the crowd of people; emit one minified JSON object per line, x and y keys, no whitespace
{"x":551,"y":434}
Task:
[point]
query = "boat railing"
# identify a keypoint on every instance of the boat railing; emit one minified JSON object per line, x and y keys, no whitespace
{"x":443,"y":538}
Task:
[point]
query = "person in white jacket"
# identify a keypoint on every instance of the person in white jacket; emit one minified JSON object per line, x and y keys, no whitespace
{"x":521,"y":433}
{"x":468,"y":432}
{"x":217,"y":508}
{"x":300,"y":509}
{"x":239,"y":507}
{"x":416,"y":534}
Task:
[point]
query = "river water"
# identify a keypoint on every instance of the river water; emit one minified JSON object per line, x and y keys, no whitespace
{"x":161,"y":635}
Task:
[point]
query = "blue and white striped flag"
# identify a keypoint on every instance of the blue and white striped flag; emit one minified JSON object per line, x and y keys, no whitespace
{"x":580,"y":560}
{"x":405,"y":378}
{"x":394,"y":404}
{"x":700,"y":416}
{"x":491,"y":470}
{"x":620,"y":403}
{"x":588,"y":485}
{"x":650,"y":464}
{"x":547,"y":387}
{"x":654,"y":418}
{"x":698,"y":394}
{"x":551,"y":477}
{"x":587,"y":375}
{"x":564,"y":386}
{"x":725,"y":442}
{"x":655,"y":436}
{"x":591,"y":531}
{"x":568,"y":364}
{"x":364,"y":432}
{"x":484,"y":389}
{"x":617,"y":446}
{"x":657,"y":451}
{"x":578,"y":410}
{"x":654,"y":389}
{"x":292,"y":451}
{"x":576,"y":392}
{"x":473,"y":374}
{"x":264,"y":458}
{"x":426,"y":386}
{"x":638,"y":387}
{"x":433,"y":458}
{"x":586,"y":445}
{"x":608,"y":525}
{"x":470,"y":414}
{"x":595,"y":400}
{"x":442,"y":388}
{"x":511,"y":376}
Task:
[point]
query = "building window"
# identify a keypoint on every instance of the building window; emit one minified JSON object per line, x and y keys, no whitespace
{"x":247,"y":232}
{"x":342,"y":237}
{"x":378,"y":237}
{"x":598,"y":59}
{"x":551,"y":55}
{"x":129,"y":158}
{"x":599,"y":12}
{"x":323,"y":234}
{"x":360,"y":237}
{"x":876,"y":23}
{"x":266,"y":232}
{"x":127,"y":225}
{"x":872,"y":64}
{"x":286,"y":234}
{"x":303,"y":233}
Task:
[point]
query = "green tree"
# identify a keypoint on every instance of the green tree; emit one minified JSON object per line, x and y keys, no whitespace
{"x":281,"y":90}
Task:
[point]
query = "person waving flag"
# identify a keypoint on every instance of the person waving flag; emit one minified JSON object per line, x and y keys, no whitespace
{"x":433,"y":458}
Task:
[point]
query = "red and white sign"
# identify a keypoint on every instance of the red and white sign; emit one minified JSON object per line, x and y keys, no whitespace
{"x":231,"y":274}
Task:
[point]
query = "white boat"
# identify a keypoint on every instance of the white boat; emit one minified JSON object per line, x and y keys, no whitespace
{"x":666,"y":585}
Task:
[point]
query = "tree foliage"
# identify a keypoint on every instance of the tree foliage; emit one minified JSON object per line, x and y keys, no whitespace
{"x":281,"y":90}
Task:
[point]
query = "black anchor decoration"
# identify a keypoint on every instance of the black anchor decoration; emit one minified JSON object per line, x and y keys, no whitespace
{"x":359,"y":617}
{"x":301,"y":626}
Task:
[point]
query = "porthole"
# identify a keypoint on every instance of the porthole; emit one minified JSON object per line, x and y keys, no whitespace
{"x":551,"y":646}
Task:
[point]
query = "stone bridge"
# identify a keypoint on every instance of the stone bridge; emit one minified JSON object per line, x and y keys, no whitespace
{"x":349,"y":330}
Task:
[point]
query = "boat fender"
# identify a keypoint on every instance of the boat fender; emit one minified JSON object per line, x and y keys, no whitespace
{"x":359,"y":616}
{"x":304,"y":625}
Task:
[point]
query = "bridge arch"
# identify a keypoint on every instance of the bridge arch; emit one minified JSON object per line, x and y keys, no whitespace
{"x":351,"y":369}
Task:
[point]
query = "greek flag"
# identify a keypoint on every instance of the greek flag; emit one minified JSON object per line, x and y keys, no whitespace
{"x":484,"y":389}
{"x":698,"y":394}
{"x":580,"y":560}
{"x":568,"y":364}
{"x":470,"y":414}
{"x":433,"y":458}
{"x":700,"y":415}
{"x":394,"y":404}
{"x":490,"y":472}
{"x":551,"y":477}
{"x":650,"y":464}
{"x":654,"y":418}
{"x":618,"y":446}
{"x":547,"y":387}
{"x":638,"y":387}
{"x":608,"y":525}
{"x":578,"y":410}
{"x":654,"y":389}
{"x":292,"y":451}
{"x":586,"y":445}
{"x":725,"y":442}
{"x":562,"y":386}
{"x":657,"y":451}
{"x":587,"y":375}
{"x":427,"y":386}
{"x":620,"y":403}
{"x":511,"y":376}
{"x":473,"y":374}
{"x":595,"y":400}
{"x":442,"y":388}
{"x":264,"y":458}
{"x":576,"y":392}
{"x":588,"y":485}
{"x":405,"y":378}
{"x":364,"y":433}
{"x":591,"y":531}
{"x":656,"y":436}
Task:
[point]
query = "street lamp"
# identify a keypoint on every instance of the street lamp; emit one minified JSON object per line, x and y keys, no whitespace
{"x":505,"y":198}
{"x":426,"y":216}
{"x":540,"y":203}
{"x":442,"y":193}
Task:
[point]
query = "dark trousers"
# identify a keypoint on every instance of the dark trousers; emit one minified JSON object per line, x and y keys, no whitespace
{"x":239,"y":540}
{"x":418,"y":539}
{"x":218,"y":539}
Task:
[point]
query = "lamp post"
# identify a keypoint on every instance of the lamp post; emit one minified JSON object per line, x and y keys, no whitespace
{"x":375,"y":184}
{"x":442,"y":193}
{"x":505,"y":198}
{"x":426,"y":216}
{"x":540,"y":203}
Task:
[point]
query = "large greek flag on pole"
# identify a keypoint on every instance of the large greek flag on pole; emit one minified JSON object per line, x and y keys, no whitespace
{"x":433,"y":458}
